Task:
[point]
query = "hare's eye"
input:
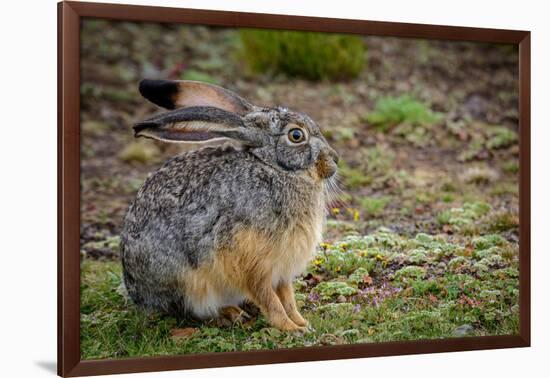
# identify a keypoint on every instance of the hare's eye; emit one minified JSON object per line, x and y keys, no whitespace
{"x":296,"y":135}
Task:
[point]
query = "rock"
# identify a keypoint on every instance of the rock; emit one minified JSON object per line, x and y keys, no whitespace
{"x":463,"y":330}
{"x":476,"y":106}
{"x":341,"y":299}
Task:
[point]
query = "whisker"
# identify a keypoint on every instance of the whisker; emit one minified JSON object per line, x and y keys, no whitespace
{"x":333,"y":192}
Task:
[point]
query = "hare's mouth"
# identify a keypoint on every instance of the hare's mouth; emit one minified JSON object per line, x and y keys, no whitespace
{"x":326,"y":167}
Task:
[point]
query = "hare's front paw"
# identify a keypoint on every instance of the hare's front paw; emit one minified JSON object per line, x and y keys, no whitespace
{"x":287,"y":325}
{"x":298,"y":319}
{"x":292,"y":327}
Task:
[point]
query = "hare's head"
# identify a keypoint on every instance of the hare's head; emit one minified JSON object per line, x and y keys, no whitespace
{"x":201,"y":112}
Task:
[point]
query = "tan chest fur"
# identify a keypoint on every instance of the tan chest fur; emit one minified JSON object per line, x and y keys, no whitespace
{"x":253,"y":258}
{"x":291,"y":253}
{"x":280,"y":258}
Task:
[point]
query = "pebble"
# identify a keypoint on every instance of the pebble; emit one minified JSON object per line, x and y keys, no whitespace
{"x":463,"y":330}
{"x":341,"y":299}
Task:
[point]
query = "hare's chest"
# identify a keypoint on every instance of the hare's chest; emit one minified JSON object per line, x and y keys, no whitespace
{"x":297,"y":246}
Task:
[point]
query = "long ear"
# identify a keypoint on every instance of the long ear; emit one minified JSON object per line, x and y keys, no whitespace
{"x":182,"y":94}
{"x":195,"y":125}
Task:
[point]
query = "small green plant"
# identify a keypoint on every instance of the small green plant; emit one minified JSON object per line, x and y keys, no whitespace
{"x":486,"y":138}
{"x":457,"y":263}
{"x":327,"y":290}
{"x":139,"y":152}
{"x":418,"y":256}
{"x":479,"y":175}
{"x":110,"y":246}
{"x":393,"y":111}
{"x":410,"y":273}
{"x":501,"y":137}
{"x":336,"y":309}
{"x":423,"y":287}
{"x":465,"y":216}
{"x":336,"y":262}
{"x":487,"y":241}
{"x":344,"y":133}
{"x":353,"y":177}
{"x":309,"y":55}
{"x":359,"y":276}
{"x":374,"y":206}
{"x":503,"y":221}
{"x":511,"y":166}
{"x":379,"y":160}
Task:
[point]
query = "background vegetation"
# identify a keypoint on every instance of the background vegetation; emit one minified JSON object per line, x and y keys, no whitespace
{"x":422,"y":242}
{"x":308,"y":55}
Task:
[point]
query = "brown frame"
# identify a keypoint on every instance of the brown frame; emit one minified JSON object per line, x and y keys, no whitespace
{"x":69,"y":15}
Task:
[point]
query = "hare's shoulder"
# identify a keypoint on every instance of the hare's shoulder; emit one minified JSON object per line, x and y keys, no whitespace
{"x":206,"y":159}
{"x":194,"y":166}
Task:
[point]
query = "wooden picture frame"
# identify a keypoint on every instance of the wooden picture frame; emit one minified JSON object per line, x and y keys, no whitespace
{"x":69,"y":18}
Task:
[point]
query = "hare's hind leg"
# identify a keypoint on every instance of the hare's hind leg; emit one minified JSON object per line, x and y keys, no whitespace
{"x":285,"y":292}
{"x":230,"y":315}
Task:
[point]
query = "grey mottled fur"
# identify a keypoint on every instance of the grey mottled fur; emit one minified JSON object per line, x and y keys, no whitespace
{"x":190,"y":207}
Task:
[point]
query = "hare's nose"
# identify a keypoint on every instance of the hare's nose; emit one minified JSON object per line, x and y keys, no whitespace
{"x":334,"y":155}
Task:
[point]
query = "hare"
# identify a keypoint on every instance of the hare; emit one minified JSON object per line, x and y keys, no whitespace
{"x":218,"y":226}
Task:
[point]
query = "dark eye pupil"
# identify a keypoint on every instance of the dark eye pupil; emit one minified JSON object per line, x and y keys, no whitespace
{"x":296,"y":135}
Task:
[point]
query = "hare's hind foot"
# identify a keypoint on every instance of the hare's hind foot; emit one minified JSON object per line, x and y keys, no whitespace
{"x":231,"y":315}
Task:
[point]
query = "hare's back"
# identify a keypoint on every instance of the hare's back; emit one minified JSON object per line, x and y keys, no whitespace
{"x":187,"y":209}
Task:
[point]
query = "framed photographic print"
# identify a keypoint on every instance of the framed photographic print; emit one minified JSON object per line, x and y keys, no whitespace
{"x":239,"y":188}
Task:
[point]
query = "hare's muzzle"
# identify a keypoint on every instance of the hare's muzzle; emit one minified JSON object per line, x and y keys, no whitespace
{"x":327,"y":164}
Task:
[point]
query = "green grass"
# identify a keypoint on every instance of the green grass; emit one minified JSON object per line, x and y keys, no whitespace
{"x":379,"y":287}
{"x":378,"y":161}
{"x":374,"y":206}
{"x":393,"y":111}
{"x":309,"y":55}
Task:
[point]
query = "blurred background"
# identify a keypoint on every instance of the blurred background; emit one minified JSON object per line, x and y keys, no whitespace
{"x":422,"y":126}
{"x":426,"y":131}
